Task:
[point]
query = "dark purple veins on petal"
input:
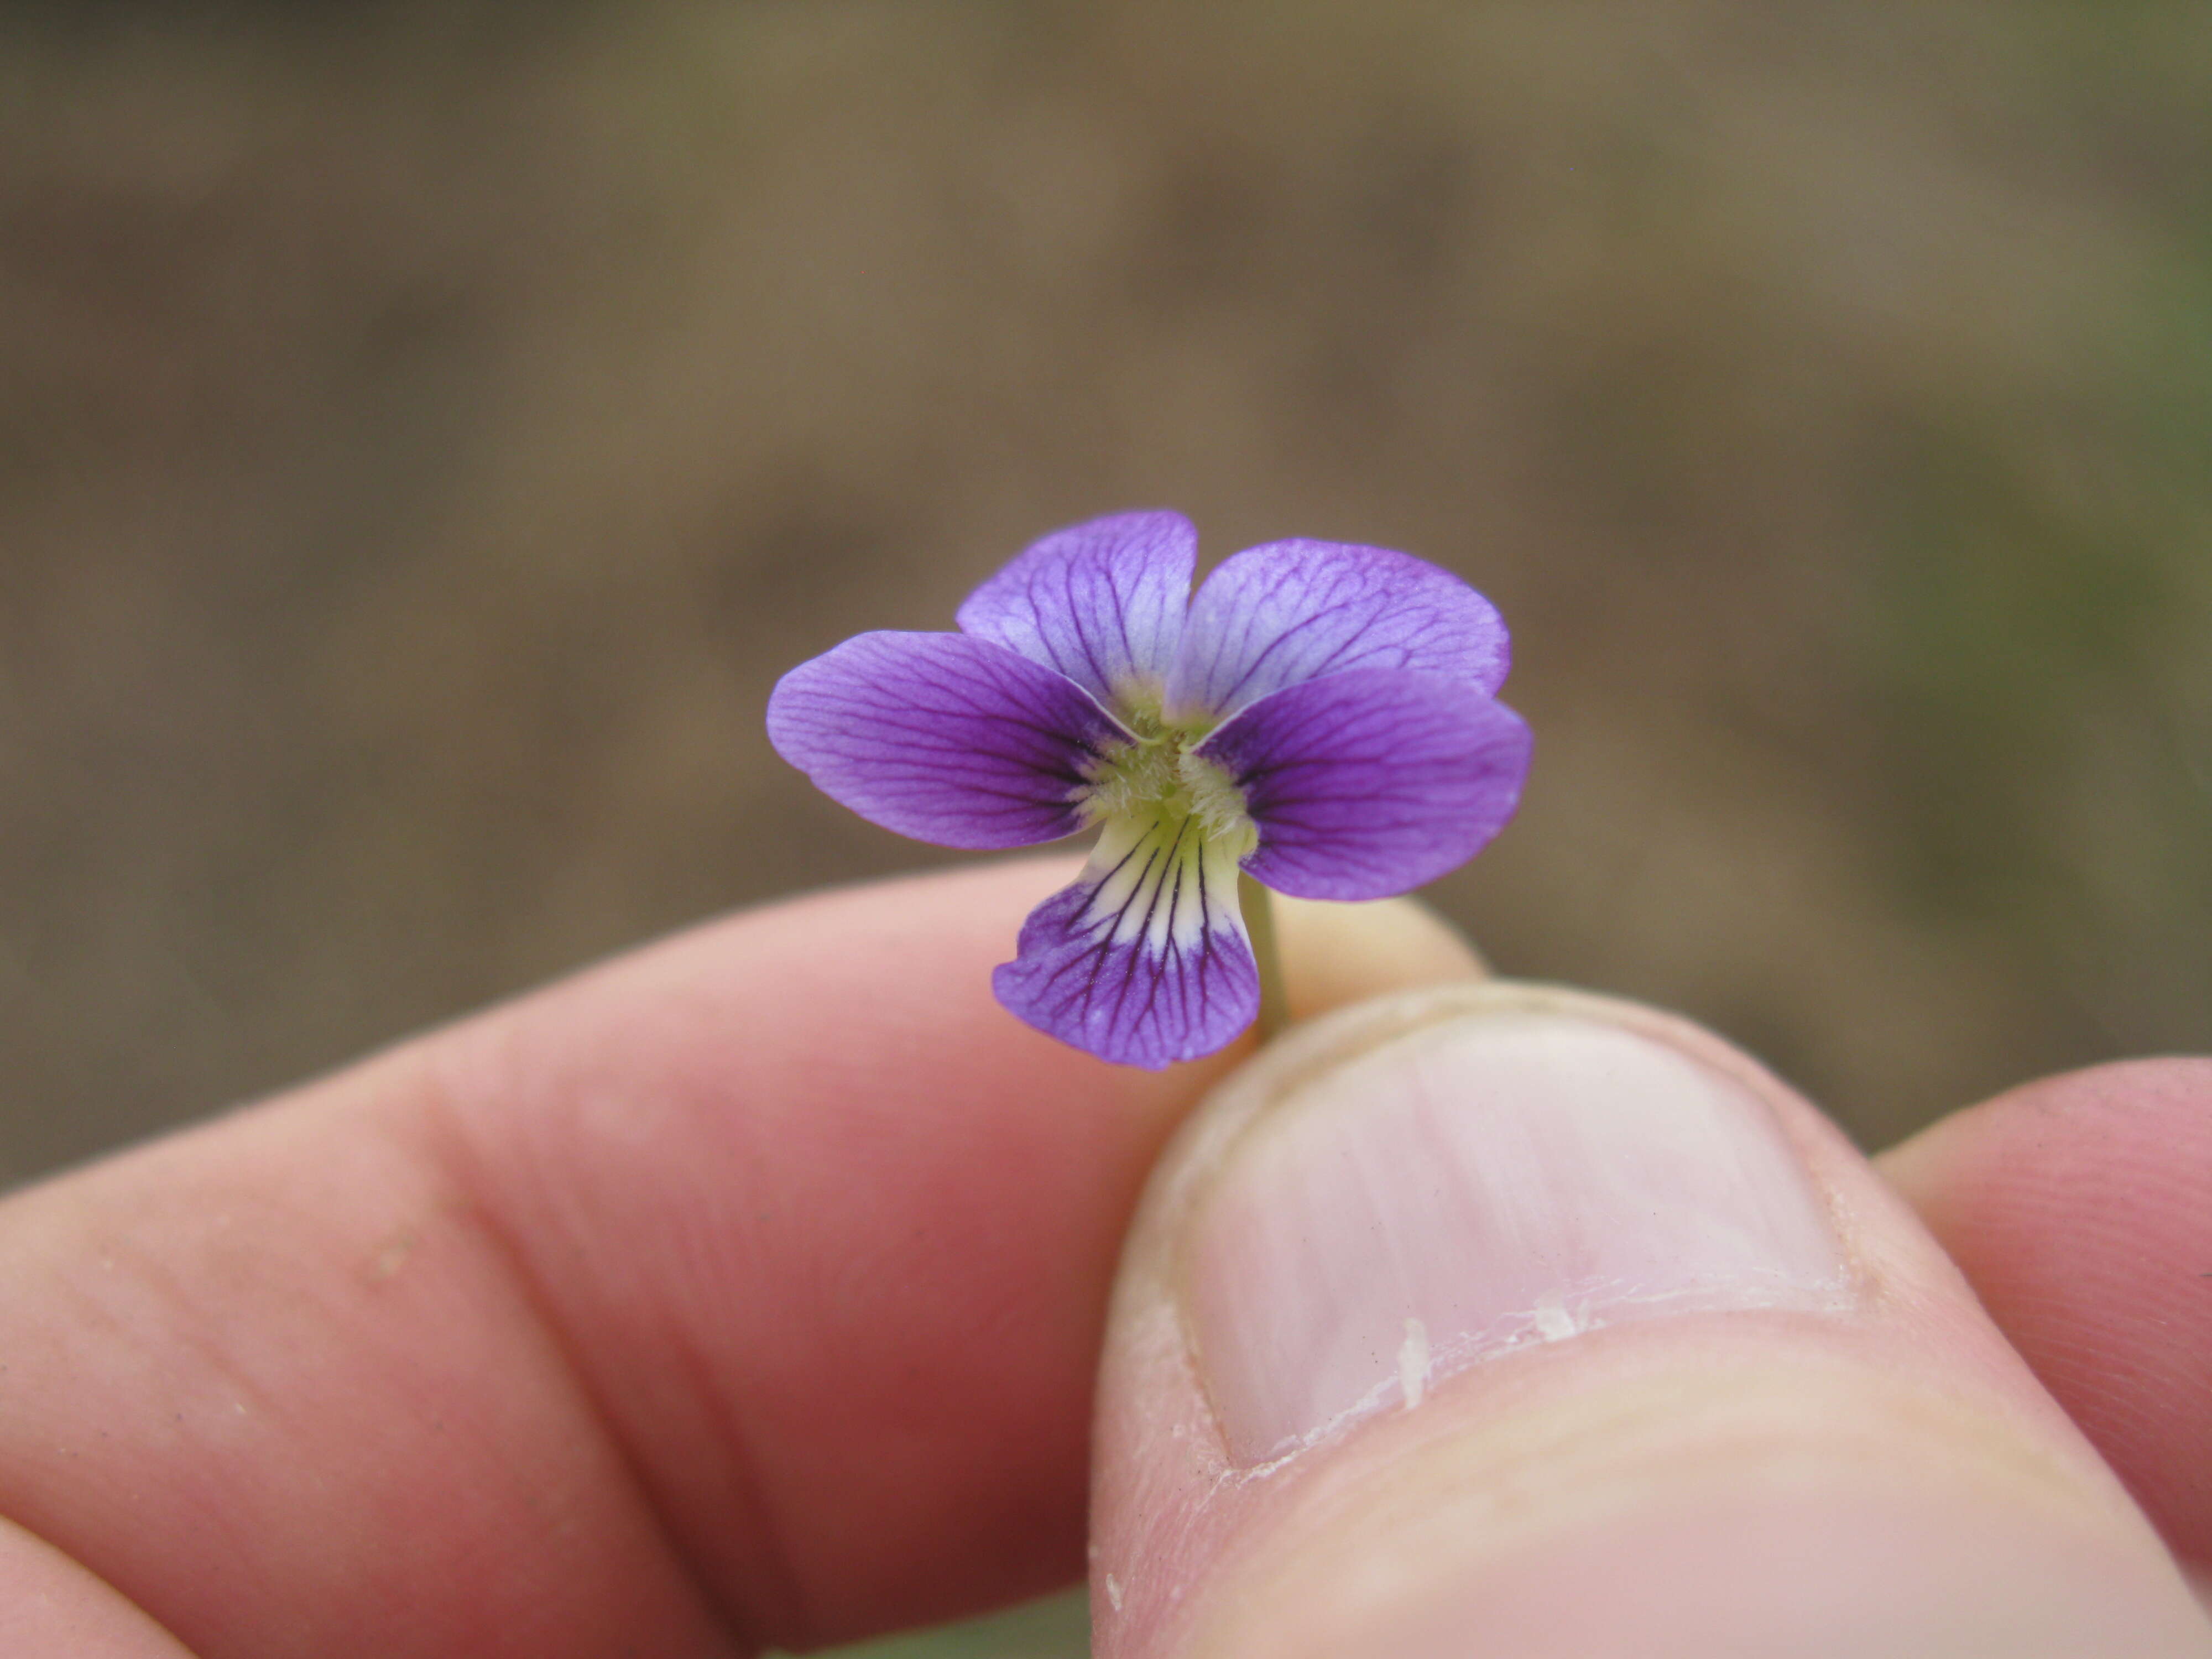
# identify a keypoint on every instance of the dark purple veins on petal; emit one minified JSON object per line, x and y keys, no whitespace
{"x":1143,"y":961}
{"x":1103,"y":602}
{"x":942,"y":738}
{"x":1369,"y":783}
{"x":1274,"y":616}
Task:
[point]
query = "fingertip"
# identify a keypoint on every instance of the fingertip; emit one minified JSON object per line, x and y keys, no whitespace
{"x":2076,"y":1205}
{"x":1462,"y":1301}
{"x":751,"y":1281}
{"x":2137,"y":1114}
{"x":1335,"y":955}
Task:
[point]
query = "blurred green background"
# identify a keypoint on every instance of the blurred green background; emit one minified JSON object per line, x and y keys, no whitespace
{"x":426,"y":431}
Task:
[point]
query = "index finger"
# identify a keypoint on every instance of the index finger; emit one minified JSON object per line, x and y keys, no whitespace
{"x":746,"y":1290}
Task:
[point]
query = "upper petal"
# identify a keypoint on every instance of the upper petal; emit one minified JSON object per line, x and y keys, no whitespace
{"x":1273,"y":616}
{"x":945,"y":739}
{"x":1367,"y":784}
{"x":1101,"y":602}
{"x":1144,"y":960}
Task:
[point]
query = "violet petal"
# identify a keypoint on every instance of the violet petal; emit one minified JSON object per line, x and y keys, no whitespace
{"x":1367,"y":784}
{"x":1102,"y":602}
{"x":1144,"y":960}
{"x":942,"y":738}
{"x":1273,"y":616}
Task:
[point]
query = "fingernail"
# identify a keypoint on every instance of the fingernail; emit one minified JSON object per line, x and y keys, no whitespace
{"x":1474,"y":1185}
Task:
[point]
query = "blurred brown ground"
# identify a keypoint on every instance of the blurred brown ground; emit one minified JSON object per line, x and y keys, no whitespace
{"x":426,"y":433}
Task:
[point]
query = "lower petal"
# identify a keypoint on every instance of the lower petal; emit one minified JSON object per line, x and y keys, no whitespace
{"x":1144,"y":960}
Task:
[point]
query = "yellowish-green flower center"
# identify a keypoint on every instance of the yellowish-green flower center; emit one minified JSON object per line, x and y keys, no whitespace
{"x":1160,"y":782}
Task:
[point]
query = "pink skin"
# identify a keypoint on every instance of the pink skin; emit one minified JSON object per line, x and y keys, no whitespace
{"x":747,"y":1290}
{"x":1208,"y":1554}
{"x":2080,"y":1208}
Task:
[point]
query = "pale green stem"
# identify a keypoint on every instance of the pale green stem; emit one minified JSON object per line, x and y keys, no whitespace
{"x":1259,"y":922}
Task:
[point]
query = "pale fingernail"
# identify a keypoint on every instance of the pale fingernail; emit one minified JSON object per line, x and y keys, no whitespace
{"x":1472,"y":1186}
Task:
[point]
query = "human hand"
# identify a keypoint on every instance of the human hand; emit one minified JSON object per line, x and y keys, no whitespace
{"x":750,"y":1290}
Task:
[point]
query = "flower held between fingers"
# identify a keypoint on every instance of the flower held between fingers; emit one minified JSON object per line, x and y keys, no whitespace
{"x":1320,"y":715}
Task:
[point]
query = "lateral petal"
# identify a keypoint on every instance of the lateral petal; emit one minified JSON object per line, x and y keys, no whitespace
{"x":1369,"y":783}
{"x":1287,"y":611}
{"x":1101,"y":603}
{"x":1144,"y":960}
{"x":942,"y":738}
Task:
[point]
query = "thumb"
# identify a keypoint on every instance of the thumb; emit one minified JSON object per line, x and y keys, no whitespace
{"x":1499,"y":1321}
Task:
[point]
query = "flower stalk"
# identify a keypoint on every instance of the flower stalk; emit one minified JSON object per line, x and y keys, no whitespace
{"x":1259,"y":922}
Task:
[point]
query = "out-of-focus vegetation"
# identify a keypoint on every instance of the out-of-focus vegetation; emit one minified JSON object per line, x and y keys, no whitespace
{"x":426,"y":431}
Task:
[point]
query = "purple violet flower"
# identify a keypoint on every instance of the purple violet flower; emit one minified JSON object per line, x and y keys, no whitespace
{"x":1320,"y":716}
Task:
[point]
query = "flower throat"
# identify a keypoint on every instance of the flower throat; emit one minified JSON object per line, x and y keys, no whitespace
{"x":1160,"y":782}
